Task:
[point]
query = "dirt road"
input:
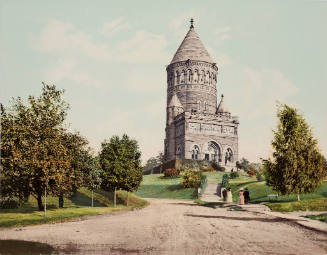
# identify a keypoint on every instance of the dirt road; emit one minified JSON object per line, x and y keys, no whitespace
{"x":176,"y":227}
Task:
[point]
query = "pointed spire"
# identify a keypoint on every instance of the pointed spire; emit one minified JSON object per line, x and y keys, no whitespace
{"x":191,"y":48}
{"x":221,"y":107}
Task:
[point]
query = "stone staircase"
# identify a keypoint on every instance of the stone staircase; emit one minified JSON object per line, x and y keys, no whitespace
{"x":211,"y":193}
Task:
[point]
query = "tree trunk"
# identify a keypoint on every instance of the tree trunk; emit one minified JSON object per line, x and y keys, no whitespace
{"x":92,"y":197}
{"x":298,"y":196}
{"x":115,"y":198}
{"x":39,"y":202}
{"x":127,"y":198}
{"x":45,"y":201}
{"x":61,"y":201}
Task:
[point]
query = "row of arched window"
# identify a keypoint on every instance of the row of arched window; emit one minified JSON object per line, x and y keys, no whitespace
{"x":189,"y":76}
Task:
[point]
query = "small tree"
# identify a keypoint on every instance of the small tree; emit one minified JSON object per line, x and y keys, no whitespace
{"x":297,"y":166}
{"x":121,"y":165}
{"x":92,"y":178}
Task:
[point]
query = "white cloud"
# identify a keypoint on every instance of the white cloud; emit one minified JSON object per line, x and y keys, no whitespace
{"x":67,"y":69}
{"x":223,"y":33}
{"x":64,"y":37}
{"x":143,"y":47}
{"x":111,"y":28}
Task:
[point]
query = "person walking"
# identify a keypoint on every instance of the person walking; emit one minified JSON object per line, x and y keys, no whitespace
{"x":241,"y":197}
{"x":246,"y":196}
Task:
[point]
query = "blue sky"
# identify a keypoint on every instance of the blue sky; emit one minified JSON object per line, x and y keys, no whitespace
{"x":110,"y":57}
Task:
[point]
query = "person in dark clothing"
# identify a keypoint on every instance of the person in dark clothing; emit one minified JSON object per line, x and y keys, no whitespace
{"x":246,"y":195}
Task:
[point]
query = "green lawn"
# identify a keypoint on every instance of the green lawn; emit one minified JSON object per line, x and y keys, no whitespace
{"x":321,"y":217}
{"x":75,"y":206}
{"x":156,"y":186}
{"x":259,"y":191}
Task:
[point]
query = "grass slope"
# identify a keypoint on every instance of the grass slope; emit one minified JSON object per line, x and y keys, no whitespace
{"x":259,"y":191}
{"x":156,"y":186}
{"x":75,"y":206}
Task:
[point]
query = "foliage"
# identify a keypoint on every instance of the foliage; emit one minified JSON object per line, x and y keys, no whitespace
{"x":259,"y":176}
{"x":243,"y":164}
{"x":171,"y":173}
{"x":191,"y":179}
{"x":154,"y":186}
{"x":120,"y":163}
{"x":217,"y":167}
{"x":9,"y":203}
{"x":251,"y":172}
{"x":234,"y":175}
{"x":297,"y":165}
{"x":203,"y":185}
{"x":207,"y":169}
{"x":318,"y":204}
{"x":320,"y":217}
{"x":37,"y":152}
{"x":225,"y":181}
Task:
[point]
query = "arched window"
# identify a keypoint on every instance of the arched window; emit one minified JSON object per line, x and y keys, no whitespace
{"x":229,"y":156}
{"x":214,"y":152}
{"x":177,"y":77}
{"x":203,"y":76}
{"x":196,"y":152}
{"x":204,"y":105}
{"x":183,"y":76}
{"x":199,"y":106}
{"x":196,"y":75}
{"x":190,"y":75}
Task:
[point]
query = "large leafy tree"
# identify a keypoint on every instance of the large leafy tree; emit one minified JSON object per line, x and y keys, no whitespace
{"x":297,"y":165}
{"x":121,"y":164}
{"x":36,"y":149}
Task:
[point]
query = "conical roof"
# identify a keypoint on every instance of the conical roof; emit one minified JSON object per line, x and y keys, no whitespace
{"x":222,"y":107}
{"x":191,"y":48}
{"x":174,"y":101}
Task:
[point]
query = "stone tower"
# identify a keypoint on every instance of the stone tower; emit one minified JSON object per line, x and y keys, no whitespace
{"x":195,"y":127}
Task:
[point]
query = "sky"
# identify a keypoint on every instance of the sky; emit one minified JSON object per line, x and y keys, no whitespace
{"x":110,"y":57}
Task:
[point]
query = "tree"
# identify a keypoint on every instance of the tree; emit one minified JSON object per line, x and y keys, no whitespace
{"x":92,"y":178}
{"x":35,"y":155}
{"x":243,"y":164}
{"x":121,"y":164}
{"x":297,"y":166}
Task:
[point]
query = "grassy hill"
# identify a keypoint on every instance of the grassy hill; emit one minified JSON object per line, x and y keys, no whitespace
{"x":259,"y":191}
{"x":74,"y":206}
{"x":156,"y":186}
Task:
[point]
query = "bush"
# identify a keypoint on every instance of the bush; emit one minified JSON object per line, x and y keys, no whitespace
{"x":207,"y":169}
{"x":9,"y":203}
{"x":191,"y":179}
{"x":259,"y":176}
{"x":171,"y":173}
{"x":233,"y":175}
{"x":225,"y":181}
{"x":217,"y":167}
{"x":251,"y":172}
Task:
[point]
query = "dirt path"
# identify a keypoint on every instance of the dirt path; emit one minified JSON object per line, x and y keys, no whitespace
{"x":176,"y":227}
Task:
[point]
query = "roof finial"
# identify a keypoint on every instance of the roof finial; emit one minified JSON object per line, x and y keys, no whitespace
{"x":192,"y":23}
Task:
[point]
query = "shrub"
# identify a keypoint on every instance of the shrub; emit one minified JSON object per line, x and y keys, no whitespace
{"x":233,"y":175}
{"x":171,"y":173}
{"x":9,"y":203}
{"x":259,"y":176}
{"x":217,"y":167}
{"x":191,"y":179}
{"x":251,"y":172}
{"x":207,"y":169}
{"x":225,"y":181}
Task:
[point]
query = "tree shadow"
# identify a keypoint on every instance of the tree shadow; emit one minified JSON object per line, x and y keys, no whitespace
{"x":81,"y":199}
{"x":21,"y":247}
{"x":175,"y":187}
{"x":275,"y":219}
{"x":110,"y":196}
